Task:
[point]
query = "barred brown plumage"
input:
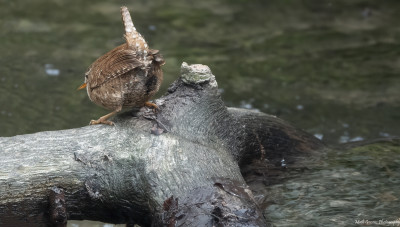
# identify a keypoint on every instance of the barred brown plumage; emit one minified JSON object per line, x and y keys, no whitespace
{"x":127,"y":76}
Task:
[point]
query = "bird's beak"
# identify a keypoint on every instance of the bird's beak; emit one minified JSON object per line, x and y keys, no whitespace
{"x":82,"y":86}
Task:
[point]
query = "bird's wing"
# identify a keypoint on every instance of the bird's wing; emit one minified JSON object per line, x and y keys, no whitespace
{"x":112,"y":65}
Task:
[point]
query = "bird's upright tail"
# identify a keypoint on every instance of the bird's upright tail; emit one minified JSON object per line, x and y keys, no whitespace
{"x":133,"y":38}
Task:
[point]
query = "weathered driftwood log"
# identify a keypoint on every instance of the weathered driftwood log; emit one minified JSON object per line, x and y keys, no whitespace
{"x":179,"y":167}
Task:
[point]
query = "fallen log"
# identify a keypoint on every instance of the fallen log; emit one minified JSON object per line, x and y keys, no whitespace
{"x":177,"y":167}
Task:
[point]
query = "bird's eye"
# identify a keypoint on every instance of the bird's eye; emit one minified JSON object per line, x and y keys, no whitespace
{"x":87,"y":72}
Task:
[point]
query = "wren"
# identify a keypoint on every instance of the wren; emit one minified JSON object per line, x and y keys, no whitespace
{"x":127,"y":76}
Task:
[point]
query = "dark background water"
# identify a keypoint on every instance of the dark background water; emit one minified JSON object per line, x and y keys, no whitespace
{"x":331,"y":68}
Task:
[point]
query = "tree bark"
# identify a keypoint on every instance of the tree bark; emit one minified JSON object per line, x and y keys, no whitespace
{"x":178,"y":167}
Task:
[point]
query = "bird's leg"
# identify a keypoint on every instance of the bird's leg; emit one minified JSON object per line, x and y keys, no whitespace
{"x":150,"y":104}
{"x":103,"y":119}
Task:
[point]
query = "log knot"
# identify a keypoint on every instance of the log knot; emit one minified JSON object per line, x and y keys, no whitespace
{"x":197,"y":74}
{"x":58,"y":210}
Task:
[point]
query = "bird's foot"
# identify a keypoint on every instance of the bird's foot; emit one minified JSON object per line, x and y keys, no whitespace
{"x":101,"y":121}
{"x":150,"y":104}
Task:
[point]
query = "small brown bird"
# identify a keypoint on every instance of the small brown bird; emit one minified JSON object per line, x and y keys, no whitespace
{"x":127,"y":76}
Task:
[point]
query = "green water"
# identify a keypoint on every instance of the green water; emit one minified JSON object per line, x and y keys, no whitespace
{"x":329,"y":67}
{"x":340,"y":188}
